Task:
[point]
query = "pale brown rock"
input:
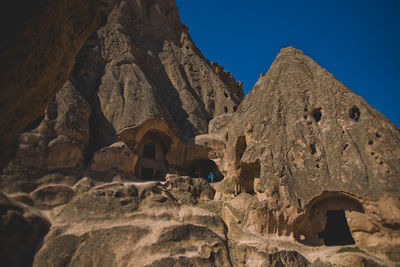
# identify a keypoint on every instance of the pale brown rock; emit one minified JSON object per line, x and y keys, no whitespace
{"x":120,"y":159}
{"x":54,"y":145}
{"x":51,"y":196}
{"x":315,"y":154}
{"x":111,"y":160}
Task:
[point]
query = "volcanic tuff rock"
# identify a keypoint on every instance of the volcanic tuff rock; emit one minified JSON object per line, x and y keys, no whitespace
{"x":307,"y":173}
{"x":312,"y":150}
{"x":139,"y":78}
{"x":40,"y":40}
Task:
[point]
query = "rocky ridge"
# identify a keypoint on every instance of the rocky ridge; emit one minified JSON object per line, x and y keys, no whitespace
{"x":113,"y":172}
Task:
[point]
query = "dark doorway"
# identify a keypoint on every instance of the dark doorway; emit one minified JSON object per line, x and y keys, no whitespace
{"x":149,"y":151}
{"x":147,"y":174}
{"x":240,"y":148}
{"x":203,"y":167}
{"x":337,"y":232}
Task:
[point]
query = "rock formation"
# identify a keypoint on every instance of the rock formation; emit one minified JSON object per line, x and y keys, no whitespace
{"x":39,"y":44}
{"x":112,"y":174}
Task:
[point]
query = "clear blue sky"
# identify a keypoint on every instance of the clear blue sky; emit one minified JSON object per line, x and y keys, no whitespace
{"x":358,"y":41}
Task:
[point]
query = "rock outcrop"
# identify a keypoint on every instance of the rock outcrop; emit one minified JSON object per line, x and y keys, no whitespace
{"x":39,"y":44}
{"x":140,"y":83}
{"x":315,"y":156}
{"x":306,"y":172}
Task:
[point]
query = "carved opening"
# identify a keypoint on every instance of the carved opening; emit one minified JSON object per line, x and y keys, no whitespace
{"x":226,"y":109}
{"x":313,"y":149}
{"x":240,"y":148}
{"x":203,"y":168}
{"x":324,"y":220}
{"x":226,"y":94}
{"x":235,"y":108}
{"x":336,"y":232}
{"x":227,"y":136}
{"x":355,"y":113}
{"x":370,"y":142}
{"x":149,"y":151}
{"x":317,"y":115}
{"x":249,"y":172}
{"x":147,"y":174}
{"x":152,"y":163}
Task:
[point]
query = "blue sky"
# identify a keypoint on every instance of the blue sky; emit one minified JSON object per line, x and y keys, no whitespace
{"x":358,"y":41}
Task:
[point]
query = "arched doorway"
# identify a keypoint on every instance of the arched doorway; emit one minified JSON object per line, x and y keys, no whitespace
{"x":336,"y":232}
{"x":324,"y":221}
{"x":152,"y":164}
{"x":149,"y":151}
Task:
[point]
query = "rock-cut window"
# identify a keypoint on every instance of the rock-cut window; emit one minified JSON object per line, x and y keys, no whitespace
{"x":149,"y":151}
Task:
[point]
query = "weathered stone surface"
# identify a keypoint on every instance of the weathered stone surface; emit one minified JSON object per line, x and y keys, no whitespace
{"x":310,"y":171}
{"x":37,"y":50}
{"x":21,"y":231}
{"x":125,"y":224}
{"x":314,"y":154}
{"x":54,"y":145}
{"x":112,"y":160}
{"x":143,"y":65}
{"x":51,"y":196}
{"x":189,"y":190}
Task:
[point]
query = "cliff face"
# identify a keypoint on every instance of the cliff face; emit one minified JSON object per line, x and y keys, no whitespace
{"x":38,"y":48}
{"x":312,"y":134}
{"x":144,"y":66}
{"x":116,"y":161}
{"x":137,"y":79}
{"x":309,"y":147}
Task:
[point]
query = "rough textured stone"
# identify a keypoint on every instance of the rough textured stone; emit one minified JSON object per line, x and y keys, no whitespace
{"x":56,"y":144}
{"x":120,"y":160}
{"x":38,"y":50}
{"x":21,"y":231}
{"x":112,"y":160}
{"x":51,"y":196}
{"x":311,"y":151}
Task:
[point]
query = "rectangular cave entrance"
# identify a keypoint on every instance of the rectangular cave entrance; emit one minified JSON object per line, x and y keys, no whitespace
{"x":336,"y":232}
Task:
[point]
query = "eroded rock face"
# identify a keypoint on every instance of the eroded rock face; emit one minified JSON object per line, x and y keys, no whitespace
{"x":305,"y":164}
{"x":38,"y":50}
{"x":138,"y":81}
{"x":21,"y":230}
{"x":315,"y":154}
{"x":53,"y":146}
{"x":142,"y":65}
{"x":136,"y":224}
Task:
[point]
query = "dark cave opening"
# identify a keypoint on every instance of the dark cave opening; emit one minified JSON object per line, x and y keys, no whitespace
{"x":203,"y":167}
{"x":240,"y":148}
{"x":354,"y":113}
{"x":147,"y":173}
{"x":248,"y":172}
{"x":149,"y":151}
{"x":336,"y":232}
{"x":317,"y":115}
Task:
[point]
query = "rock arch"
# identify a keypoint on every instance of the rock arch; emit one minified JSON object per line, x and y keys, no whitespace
{"x":324,"y":220}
